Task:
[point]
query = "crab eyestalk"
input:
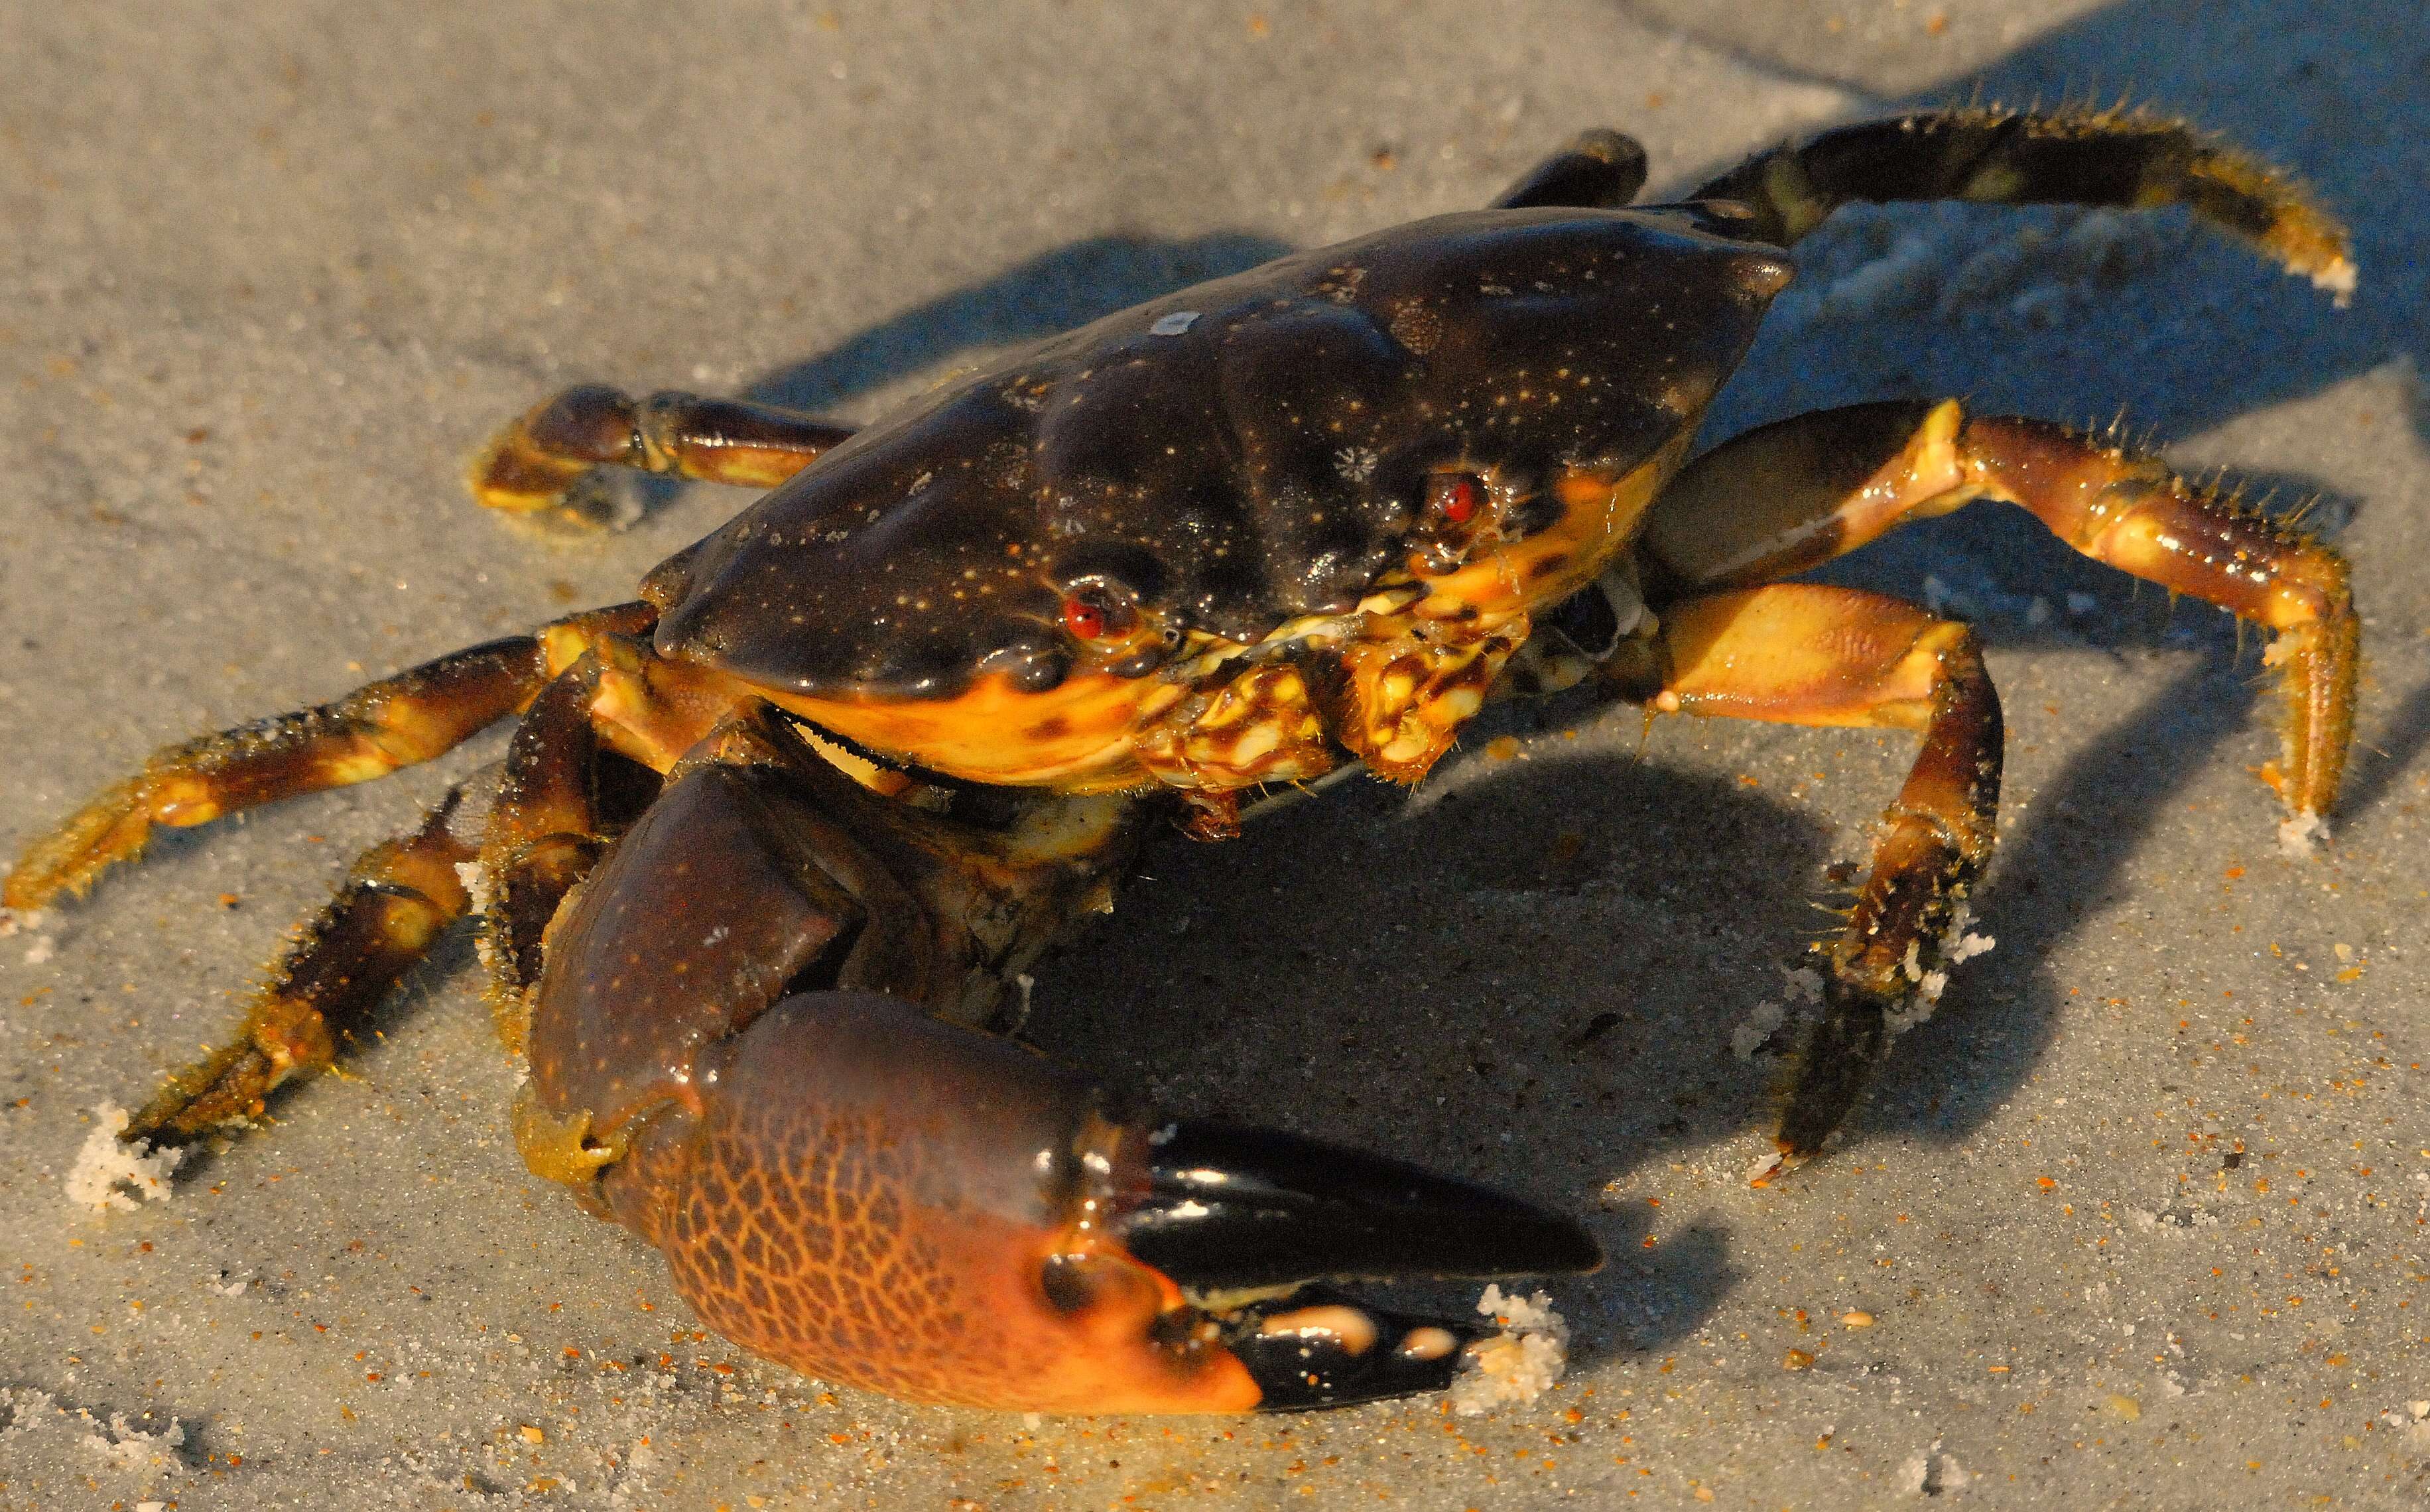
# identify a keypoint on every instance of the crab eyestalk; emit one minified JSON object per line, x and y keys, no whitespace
{"x":872,"y":1196}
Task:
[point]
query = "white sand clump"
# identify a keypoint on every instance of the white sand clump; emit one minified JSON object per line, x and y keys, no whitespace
{"x":475,"y":879}
{"x":30,"y":1415}
{"x":1760,"y":1026}
{"x":1962,"y":944}
{"x":1933,"y":1473}
{"x":106,"y":1164}
{"x":32,"y":921}
{"x":129,"y":1449}
{"x":2299,"y":836}
{"x":1518,"y":1363}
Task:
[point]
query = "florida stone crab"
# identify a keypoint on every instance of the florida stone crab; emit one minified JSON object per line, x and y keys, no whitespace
{"x":772,"y":845}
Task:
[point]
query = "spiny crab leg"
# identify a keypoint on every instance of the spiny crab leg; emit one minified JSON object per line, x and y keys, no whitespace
{"x":1999,"y":156}
{"x":394,"y":902}
{"x":1780,"y":499}
{"x":384,"y":725}
{"x":1810,"y":654}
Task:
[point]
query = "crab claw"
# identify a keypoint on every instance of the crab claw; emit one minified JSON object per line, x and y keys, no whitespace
{"x":1241,"y":1211}
{"x":871,"y":1195}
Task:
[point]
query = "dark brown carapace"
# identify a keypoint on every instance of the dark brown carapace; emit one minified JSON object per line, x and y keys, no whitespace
{"x":775,"y":844}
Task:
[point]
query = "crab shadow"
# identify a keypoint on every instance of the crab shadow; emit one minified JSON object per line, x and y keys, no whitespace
{"x":1530,"y":979}
{"x":2246,"y":70}
{"x":1520,"y":980}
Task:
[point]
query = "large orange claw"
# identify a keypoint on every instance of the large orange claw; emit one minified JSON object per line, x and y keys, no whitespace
{"x":869,"y":1195}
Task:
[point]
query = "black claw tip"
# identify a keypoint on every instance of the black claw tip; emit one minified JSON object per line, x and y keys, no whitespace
{"x":1239,"y":1207}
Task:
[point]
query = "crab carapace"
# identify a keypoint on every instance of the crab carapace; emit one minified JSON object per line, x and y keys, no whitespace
{"x":771,"y":843}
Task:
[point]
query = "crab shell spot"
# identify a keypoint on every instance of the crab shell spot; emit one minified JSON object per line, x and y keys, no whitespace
{"x":1077,"y":737}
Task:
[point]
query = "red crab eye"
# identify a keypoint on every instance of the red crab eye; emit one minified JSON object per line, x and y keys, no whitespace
{"x":1097,"y":613}
{"x":1455,"y":496}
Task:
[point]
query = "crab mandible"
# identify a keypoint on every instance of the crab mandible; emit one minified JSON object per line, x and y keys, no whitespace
{"x":770,"y":843}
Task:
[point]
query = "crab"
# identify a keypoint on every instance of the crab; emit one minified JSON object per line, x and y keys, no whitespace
{"x":774,"y":846}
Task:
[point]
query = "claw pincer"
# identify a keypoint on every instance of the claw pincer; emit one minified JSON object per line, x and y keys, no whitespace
{"x":737,"y":1053}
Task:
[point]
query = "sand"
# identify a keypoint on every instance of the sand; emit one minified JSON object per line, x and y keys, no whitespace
{"x":2136,"y":1217}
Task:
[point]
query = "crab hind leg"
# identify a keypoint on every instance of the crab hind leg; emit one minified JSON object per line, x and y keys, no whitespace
{"x":535,"y":463}
{"x":2110,"y":158}
{"x":845,"y":1183}
{"x":1808,"y":653}
{"x":393,"y":907}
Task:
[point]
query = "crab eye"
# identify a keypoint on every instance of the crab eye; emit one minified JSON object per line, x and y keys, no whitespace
{"x":1455,"y":496}
{"x":1094,"y":611}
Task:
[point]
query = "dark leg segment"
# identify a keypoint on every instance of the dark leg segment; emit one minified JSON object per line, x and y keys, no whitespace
{"x":1805,"y":653}
{"x":1996,"y":156}
{"x":370,"y":732}
{"x":542,"y":837}
{"x":532,"y":464}
{"x":1600,"y":170}
{"x":1790,"y":495}
{"x":324,"y":989}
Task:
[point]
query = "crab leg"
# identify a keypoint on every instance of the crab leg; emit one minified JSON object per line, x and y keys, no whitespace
{"x":2007,"y":158}
{"x":396,"y":722}
{"x":1600,"y":168}
{"x":370,"y":732}
{"x":542,"y":838}
{"x":392,"y":906}
{"x":852,"y":1186}
{"x":533,"y":462}
{"x":1806,"y":653}
{"x":1789,"y":495}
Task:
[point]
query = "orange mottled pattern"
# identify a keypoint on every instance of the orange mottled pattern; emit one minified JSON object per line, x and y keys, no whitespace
{"x":898,"y":1245}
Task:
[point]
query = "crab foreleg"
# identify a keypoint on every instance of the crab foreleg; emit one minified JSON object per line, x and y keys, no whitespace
{"x":2108,"y":157}
{"x":370,"y":732}
{"x":1781,"y":499}
{"x":847,"y":1184}
{"x":1806,"y":653}
{"x":394,"y":902}
{"x":533,"y":462}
